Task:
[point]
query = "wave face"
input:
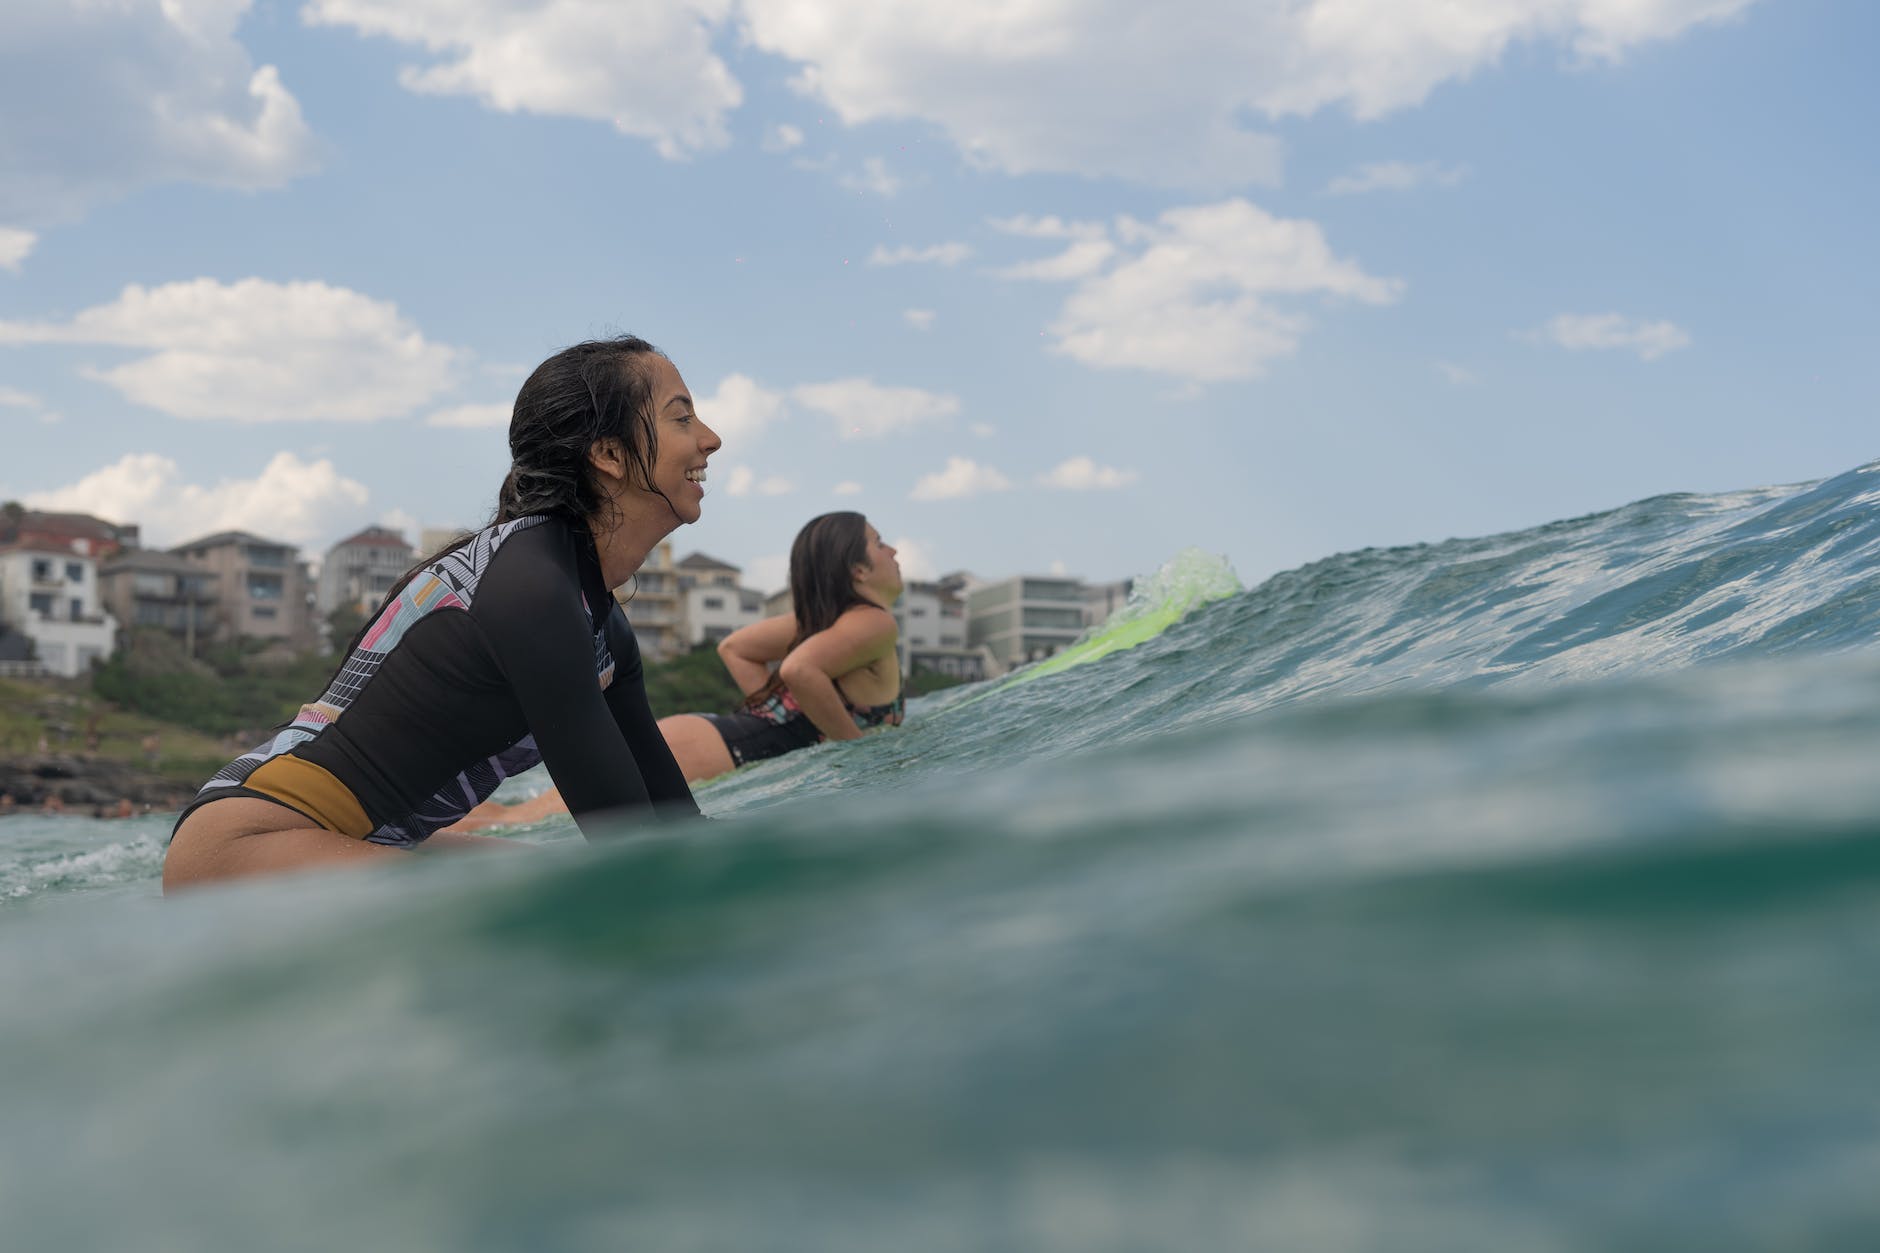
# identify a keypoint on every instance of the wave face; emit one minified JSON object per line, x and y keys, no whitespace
{"x":1424,"y":898}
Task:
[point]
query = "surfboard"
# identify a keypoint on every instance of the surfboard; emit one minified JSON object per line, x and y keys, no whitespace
{"x":1187,"y":581}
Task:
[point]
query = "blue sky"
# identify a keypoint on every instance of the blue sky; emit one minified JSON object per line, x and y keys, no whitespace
{"x":1036,"y":284}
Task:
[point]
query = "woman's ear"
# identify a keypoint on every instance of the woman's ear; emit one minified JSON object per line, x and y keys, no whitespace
{"x":609,"y":457}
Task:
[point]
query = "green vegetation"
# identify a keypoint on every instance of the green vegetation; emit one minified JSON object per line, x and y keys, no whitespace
{"x":238,"y":689}
{"x":65,"y":717}
{"x":691,"y":683}
{"x":925,"y":682}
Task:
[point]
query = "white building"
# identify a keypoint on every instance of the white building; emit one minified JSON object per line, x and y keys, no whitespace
{"x":1026,"y":617}
{"x":711,"y":603}
{"x":358,"y":571}
{"x":49,"y":593}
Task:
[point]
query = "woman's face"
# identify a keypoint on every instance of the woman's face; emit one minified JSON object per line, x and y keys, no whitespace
{"x":684,"y":441}
{"x":880,"y":571}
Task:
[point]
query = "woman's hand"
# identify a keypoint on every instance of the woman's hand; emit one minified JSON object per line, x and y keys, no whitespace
{"x":749,"y":651}
{"x":861,"y":636}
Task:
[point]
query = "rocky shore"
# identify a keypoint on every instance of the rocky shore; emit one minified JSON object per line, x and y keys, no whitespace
{"x":82,"y":784}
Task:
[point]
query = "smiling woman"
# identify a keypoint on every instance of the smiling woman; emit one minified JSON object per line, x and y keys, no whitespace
{"x":827,"y":670}
{"x":503,"y":651}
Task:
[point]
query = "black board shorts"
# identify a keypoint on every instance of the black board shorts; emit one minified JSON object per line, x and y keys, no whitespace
{"x":750,"y":738}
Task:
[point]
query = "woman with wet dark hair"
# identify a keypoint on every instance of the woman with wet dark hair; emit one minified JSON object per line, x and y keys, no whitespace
{"x":504,"y":650}
{"x":827,"y":671}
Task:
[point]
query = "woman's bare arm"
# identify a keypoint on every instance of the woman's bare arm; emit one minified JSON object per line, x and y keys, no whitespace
{"x":859,"y":636}
{"x":749,"y":651}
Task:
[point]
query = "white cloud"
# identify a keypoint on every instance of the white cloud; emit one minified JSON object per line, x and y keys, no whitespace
{"x":874,"y":178}
{"x":1029,"y":86}
{"x":404,"y":523}
{"x":848,"y":487}
{"x":962,"y":477}
{"x":919,"y":319}
{"x":1580,"y":331}
{"x":15,"y":246}
{"x":743,"y":481}
{"x":935,"y":254}
{"x":299,"y":501}
{"x":863,"y":409}
{"x":769,"y":573}
{"x":14,"y":398}
{"x":1082,"y":259}
{"x":98,"y":99}
{"x":915,"y":559}
{"x":1049,"y":227}
{"x":473,"y":416}
{"x":783,"y":137}
{"x":1395,"y":176}
{"x":645,"y":67}
{"x":1457,"y":375}
{"x":257,"y":351}
{"x":1081,"y":474}
{"x":740,"y":409}
{"x":1194,"y":293}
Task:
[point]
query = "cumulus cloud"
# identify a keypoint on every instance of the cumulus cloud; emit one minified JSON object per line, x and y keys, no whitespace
{"x":919,"y":319}
{"x":1395,"y":176}
{"x":743,"y":481}
{"x":962,"y":477}
{"x":299,"y":501}
{"x":863,"y":409}
{"x":740,"y":409}
{"x":783,"y":137}
{"x":1048,"y":227}
{"x":1082,"y":259}
{"x":98,"y":99}
{"x":769,"y":573}
{"x":1580,"y":331}
{"x":914,"y":556}
{"x":1197,"y":293}
{"x":875,"y":178}
{"x":257,"y":351}
{"x":1081,"y":474}
{"x":932,"y":254}
{"x":1027,"y":86}
{"x":644,"y":67}
{"x":15,"y":246}
{"x":472,"y":416}
{"x":848,"y":487}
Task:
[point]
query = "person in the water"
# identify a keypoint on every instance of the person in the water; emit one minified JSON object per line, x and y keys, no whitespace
{"x":827,"y":671}
{"x":503,"y":651}
{"x":836,"y":674}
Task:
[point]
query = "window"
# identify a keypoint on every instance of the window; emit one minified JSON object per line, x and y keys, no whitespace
{"x":712,"y":602}
{"x":40,"y":603}
{"x":265,"y":587}
{"x":264,"y":611}
{"x":74,"y":572}
{"x":150,"y":585}
{"x":42,"y":570}
{"x":77,"y":607}
{"x":918,"y":611}
{"x":950,"y":641}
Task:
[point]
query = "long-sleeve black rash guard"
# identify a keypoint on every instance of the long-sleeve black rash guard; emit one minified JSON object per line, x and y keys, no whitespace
{"x":505,"y":652}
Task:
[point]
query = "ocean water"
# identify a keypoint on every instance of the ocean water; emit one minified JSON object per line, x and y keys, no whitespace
{"x":1513,"y":893}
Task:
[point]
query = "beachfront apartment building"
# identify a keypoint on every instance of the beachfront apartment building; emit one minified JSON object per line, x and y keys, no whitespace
{"x":357,"y":572}
{"x":651,"y":601}
{"x":1023,"y":618}
{"x":152,"y":589}
{"x":712,"y":603}
{"x":263,"y":590}
{"x":49,"y":594}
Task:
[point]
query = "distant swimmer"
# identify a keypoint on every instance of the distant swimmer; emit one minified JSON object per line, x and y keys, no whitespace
{"x":827,"y":671}
{"x":505,"y":650}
